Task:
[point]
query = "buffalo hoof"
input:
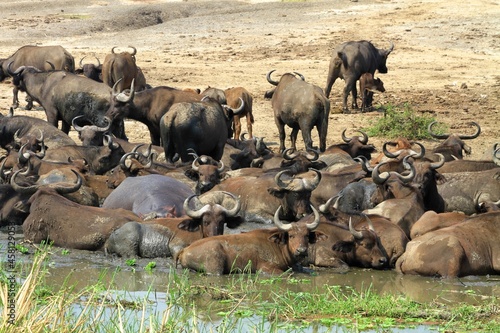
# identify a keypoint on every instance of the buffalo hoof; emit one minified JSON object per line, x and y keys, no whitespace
{"x":15,"y":105}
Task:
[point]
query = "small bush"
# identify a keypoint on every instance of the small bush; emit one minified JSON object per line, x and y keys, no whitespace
{"x":403,"y":122}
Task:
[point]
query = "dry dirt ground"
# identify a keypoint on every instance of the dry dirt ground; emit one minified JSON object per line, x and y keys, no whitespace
{"x":445,"y":61}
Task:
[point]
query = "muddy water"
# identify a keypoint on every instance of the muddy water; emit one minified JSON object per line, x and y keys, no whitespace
{"x":83,"y":268}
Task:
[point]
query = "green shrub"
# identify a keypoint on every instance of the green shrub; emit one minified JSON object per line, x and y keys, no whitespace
{"x":403,"y":122}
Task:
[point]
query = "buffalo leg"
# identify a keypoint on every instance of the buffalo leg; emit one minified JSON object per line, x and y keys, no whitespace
{"x":350,"y":85}
{"x":293,"y":137}
{"x":237,"y":127}
{"x":249,"y":125}
{"x":281,"y":131}
{"x":15,"y":100}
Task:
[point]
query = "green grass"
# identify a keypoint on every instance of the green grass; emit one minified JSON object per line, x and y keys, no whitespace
{"x":403,"y":121}
{"x":240,"y":303}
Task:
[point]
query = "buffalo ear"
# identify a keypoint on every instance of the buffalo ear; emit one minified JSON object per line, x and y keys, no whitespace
{"x":233,"y":222}
{"x":317,"y":236}
{"x":277,"y":192}
{"x":191,"y":174}
{"x":343,"y":246}
{"x":318,"y":165}
{"x":277,"y":237}
{"x":189,"y":225}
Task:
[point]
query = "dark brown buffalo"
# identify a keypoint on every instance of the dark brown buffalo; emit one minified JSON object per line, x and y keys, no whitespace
{"x":148,"y":106}
{"x":301,"y":106}
{"x":45,"y":58}
{"x":100,"y":159}
{"x":91,"y":70}
{"x":119,"y":69}
{"x":354,"y":146}
{"x":270,"y":251}
{"x":453,"y":145}
{"x":165,"y":237}
{"x":17,"y":130}
{"x":54,"y":219}
{"x":262,"y":195}
{"x":467,"y":248}
{"x":65,"y":96}
{"x":233,"y":96}
{"x":206,"y":172}
{"x":403,"y":203}
{"x":392,"y":239}
{"x":349,"y":61}
{"x":202,"y":127}
{"x":367,"y":86}
{"x":337,"y":246}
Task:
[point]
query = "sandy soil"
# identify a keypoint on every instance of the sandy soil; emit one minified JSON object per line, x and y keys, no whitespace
{"x":445,"y":60}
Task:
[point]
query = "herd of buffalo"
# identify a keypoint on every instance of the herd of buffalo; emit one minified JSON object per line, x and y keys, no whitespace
{"x":416,"y":209}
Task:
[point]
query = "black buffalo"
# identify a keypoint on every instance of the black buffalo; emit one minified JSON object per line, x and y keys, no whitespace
{"x":301,"y":106}
{"x":349,"y":61}
{"x":201,"y":126}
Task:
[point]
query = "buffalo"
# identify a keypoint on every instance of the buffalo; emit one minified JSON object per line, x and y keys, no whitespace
{"x":301,"y":106}
{"x":349,"y":61}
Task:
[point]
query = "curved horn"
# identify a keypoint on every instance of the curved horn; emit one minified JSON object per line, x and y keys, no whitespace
{"x":51,"y":65}
{"x":134,"y":52}
{"x":220,"y":166}
{"x":279,"y":223}
{"x":370,"y":223}
{"x":312,"y":155}
{"x":124,"y":158}
{"x":388,"y":153}
{"x":18,"y":70}
{"x":279,"y":182}
{"x":240,"y":108}
{"x":364,"y":140}
{"x":33,"y":188}
{"x":77,"y":127}
{"x":300,"y":75}
{"x":194,"y":214}
{"x":22,"y":189}
{"x":81,"y":62}
{"x":324,"y":207}
{"x":439,"y":163}
{"x":115,"y":92}
{"x":236,"y":208}
{"x":113,"y":49}
{"x":195,"y":165}
{"x":345,"y":138}
{"x":496,"y":156}
{"x":365,"y":164}
{"x":311,"y":184}
{"x":435,"y":135}
{"x":290,"y":156}
{"x":390,"y":49}
{"x":357,"y":234}
{"x":268,"y":77}
{"x":123,"y":96}
{"x":379,"y":178}
{"x":422,"y":150}
{"x":473,"y":136}
{"x":23,"y":157}
{"x":409,"y":166}
{"x":314,"y":224}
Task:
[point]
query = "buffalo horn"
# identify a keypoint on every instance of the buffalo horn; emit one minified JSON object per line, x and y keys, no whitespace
{"x":473,"y":136}
{"x":23,"y":156}
{"x":435,"y":135}
{"x":388,"y":153}
{"x":496,"y":156}
{"x":439,"y":163}
{"x":300,"y":75}
{"x":268,"y":77}
{"x":312,"y":155}
{"x":236,"y":208}
{"x":379,"y":178}
{"x":314,"y":224}
{"x":289,"y":154}
{"x":311,"y":184}
{"x":33,"y":188}
{"x":279,"y":223}
{"x":324,"y":207}
{"x":194,"y":214}
{"x":357,"y":234}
